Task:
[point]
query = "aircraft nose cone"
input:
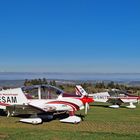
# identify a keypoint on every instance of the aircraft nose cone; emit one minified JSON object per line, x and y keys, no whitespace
{"x":90,"y":100}
{"x":87,"y":100}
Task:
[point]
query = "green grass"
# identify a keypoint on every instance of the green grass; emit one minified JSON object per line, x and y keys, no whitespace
{"x":101,"y":123}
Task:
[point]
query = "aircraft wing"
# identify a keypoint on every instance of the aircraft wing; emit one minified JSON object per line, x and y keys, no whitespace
{"x":22,"y":109}
{"x":115,"y":100}
{"x":43,"y":108}
{"x":39,"y":107}
{"x":28,"y":109}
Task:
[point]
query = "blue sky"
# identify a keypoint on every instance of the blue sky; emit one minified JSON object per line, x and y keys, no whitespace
{"x":70,"y":36}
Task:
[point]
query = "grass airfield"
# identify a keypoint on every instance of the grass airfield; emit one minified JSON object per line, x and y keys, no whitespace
{"x":101,"y":123}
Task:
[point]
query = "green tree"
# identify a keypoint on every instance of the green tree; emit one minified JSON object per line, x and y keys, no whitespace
{"x":111,"y":85}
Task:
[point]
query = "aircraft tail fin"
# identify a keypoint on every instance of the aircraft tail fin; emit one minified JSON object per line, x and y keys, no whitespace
{"x":12,"y":97}
{"x":80,"y":91}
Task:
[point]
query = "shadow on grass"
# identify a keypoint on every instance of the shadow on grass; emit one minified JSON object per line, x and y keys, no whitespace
{"x":45,"y":117}
{"x":81,"y":116}
{"x":2,"y":113}
{"x":106,"y":106}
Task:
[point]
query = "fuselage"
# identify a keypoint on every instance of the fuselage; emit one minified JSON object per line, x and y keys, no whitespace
{"x":105,"y":96}
{"x":16,"y":97}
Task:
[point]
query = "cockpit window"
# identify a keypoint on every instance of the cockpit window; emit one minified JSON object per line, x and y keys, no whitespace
{"x":43,"y":91}
{"x":117,"y":93}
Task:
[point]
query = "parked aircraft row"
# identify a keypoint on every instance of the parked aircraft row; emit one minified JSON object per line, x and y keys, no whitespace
{"x":46,"y":101}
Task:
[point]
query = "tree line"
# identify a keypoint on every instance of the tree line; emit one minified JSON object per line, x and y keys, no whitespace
{"x":39,"y":82}
{"x":88,"y":86}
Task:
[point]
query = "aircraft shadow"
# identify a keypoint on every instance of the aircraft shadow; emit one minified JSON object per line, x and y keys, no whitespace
{"x":2,"y":112}
{"x":44,"y":116}
{"x":106,"y":106}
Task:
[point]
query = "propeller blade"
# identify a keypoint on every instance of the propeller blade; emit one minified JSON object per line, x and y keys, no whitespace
{"x":86,"y":108}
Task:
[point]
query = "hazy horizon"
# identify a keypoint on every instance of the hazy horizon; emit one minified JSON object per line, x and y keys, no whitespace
{"x":70,"y":76}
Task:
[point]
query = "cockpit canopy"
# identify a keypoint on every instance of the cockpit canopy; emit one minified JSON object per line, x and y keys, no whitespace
{"x":42,"y":92}
{"x":117,"y":93}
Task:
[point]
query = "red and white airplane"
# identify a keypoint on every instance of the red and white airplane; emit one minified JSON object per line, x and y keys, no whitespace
{"x":40,"y":101}
{"x":115,"y":97}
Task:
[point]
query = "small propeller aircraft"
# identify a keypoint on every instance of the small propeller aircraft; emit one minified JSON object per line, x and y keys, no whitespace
{"x":42,"y":101}
{"x":115,"y":96}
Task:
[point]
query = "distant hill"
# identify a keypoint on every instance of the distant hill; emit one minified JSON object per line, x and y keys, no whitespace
{"x":134,"y":83}
{"x":11,"y":83}
{"x":71,"y":76}
{"x":19,"y":83}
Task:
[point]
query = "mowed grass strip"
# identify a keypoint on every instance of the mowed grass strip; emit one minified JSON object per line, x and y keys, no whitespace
{"x":25,"y":134}
{"x":100,"y":123}
{"x":3,"y":136}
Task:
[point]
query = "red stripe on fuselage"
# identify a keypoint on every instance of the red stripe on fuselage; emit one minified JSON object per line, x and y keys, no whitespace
{"x":4,"y":104}
{"x":74,"y":106}
{"x":123,"y":98}
{"x":128,"y":97}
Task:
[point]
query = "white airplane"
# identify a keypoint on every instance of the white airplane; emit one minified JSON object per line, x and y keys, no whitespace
{"x":42,"y":101}
{"x":115,"y":96}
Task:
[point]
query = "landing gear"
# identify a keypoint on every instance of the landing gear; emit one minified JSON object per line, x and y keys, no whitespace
{"x":131,"y":106}
{"x":72,"y":118}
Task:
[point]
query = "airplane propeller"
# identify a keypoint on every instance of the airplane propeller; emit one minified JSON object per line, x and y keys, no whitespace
{"x":86,"y":100}
{"x":87,"y":104}
{"x":86,"y":108}
{"x":85,"y":97}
